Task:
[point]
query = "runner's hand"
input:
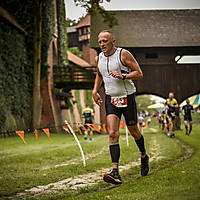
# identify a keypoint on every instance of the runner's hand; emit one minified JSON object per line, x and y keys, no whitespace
{"x":116,"y":74}
{"x":97,"y":98}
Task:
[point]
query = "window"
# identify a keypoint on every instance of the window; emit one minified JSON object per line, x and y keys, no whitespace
{"x":187,"y":59}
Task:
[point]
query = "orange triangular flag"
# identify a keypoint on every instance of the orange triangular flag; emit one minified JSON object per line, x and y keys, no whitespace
{"x":21,"y":134}
{"x":80,"y":131}
{"x":96,"y":128}
{"x":36,"y":134}
{"x":122,"y":124}
{"x":46,"y":130}
{"x":66,"y":129}
{"x":92,"y":126}
{"x":104,"y":128}
{"x":85,"y":129}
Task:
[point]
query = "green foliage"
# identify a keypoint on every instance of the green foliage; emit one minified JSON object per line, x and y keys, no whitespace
{"x":73,"y":22}
{"x":88,"y":97}
{"x":16,"y":72}
{"x":62,"y":30}
{"x":94,"y":7}
{"x":76,"y":51}
{"x":47,"y":33}
{"x":16,"y":61}
{"x":143,"y":101}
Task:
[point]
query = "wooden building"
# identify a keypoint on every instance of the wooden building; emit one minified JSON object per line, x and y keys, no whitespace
{"x":156,"y":38}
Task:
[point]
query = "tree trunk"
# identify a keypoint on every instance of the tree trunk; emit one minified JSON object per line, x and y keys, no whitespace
{"x":36,"y":112}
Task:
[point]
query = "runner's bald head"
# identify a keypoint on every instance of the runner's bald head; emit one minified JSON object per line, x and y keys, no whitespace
{"x":112,"y":37}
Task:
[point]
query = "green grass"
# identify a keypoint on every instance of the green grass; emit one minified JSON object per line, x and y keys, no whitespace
{"x":23,"y":166}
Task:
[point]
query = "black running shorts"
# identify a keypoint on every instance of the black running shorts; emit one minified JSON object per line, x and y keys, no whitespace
{"x":187,"y":118}
{"x":129,"y":112}
{"x":88,"y":121}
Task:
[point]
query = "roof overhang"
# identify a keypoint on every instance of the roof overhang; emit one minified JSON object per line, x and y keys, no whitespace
{"x":151,"y":28}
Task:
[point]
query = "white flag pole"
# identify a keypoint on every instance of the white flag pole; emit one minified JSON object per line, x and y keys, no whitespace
{"x":127,"y":136}
{"x":79,"y":145}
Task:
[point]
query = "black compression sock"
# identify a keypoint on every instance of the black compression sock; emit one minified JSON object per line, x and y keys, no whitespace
{"x":140,"y":144}
{"x":115,"y":152}
{"x":190,"y":129}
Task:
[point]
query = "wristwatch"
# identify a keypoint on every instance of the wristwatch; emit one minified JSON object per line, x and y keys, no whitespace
{"x":123,"y":76}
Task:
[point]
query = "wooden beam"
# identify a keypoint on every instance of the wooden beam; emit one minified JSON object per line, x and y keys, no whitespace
{"x":4,"y":13}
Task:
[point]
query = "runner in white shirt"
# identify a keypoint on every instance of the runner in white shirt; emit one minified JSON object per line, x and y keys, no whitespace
{"x":117,"y":68}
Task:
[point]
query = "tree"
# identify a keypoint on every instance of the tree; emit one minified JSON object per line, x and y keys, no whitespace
{"x":94,"y":7}
{"x":37,"y":65}
{"x":143,"y":101}
{"x":73,"y":22}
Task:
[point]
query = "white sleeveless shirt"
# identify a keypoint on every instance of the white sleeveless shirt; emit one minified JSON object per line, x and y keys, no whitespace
{"x":114,"y":86}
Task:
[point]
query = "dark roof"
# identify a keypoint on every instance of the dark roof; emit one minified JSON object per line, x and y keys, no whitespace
{"x":152,"y":28}
{"x":84,"y":22}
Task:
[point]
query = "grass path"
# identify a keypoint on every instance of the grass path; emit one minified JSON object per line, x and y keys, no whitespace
{"x":86,"y":180}
{"x":90,"y":180}
{"x":176,"y":179}
{"x":48,"y":170}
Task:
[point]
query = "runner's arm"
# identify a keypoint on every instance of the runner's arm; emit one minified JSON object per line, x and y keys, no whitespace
{"x":97,"y":84}
{"x":129,"y":61}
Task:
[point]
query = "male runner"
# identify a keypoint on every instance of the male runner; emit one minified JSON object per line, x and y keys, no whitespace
{"x":171,"y":105}
{"x":140,"y":123}
{"x":187,"y":109}
{"x":117,"y":68}
{"x":88,"y":113}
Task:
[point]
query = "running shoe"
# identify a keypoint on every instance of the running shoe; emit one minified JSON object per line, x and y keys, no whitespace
{"x":113,"y":178}
{"x":144,"y":165}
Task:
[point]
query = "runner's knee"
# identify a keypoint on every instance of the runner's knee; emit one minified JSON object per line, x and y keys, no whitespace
{"x":134,"y":131}
{"x":114,"y":135}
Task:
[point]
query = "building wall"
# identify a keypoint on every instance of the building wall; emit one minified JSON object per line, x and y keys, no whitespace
{"x":51,"y":112}
{"x":89,"y":54}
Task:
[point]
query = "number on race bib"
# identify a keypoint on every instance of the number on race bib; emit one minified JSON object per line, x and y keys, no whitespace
{"x":120,"y":101}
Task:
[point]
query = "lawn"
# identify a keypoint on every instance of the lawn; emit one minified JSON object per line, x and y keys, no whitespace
{"x":174,"y":174}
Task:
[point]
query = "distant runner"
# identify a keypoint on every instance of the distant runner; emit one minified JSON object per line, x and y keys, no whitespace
{"x":186,"y":110}
{"x":140,"y":123}
{"x":88,"y":113}
{"x":171,"y":105}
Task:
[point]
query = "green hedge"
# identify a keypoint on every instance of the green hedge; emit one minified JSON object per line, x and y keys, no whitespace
{"x":16,"y":59}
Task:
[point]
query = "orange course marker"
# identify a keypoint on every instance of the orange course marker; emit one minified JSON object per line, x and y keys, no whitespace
{"x":36,"y":134}
{"x":92,"y":126}
{"x":103,"y":128}
{"x":80,"y":131}
{"x":21,"y":134}
{"x":122,"y":124}
{"x":84,"y":128}
{"x":66,"y":129}
{"x":46,"y":130}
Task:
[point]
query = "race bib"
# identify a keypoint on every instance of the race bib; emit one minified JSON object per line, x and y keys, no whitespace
{"x":119,"y":101}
